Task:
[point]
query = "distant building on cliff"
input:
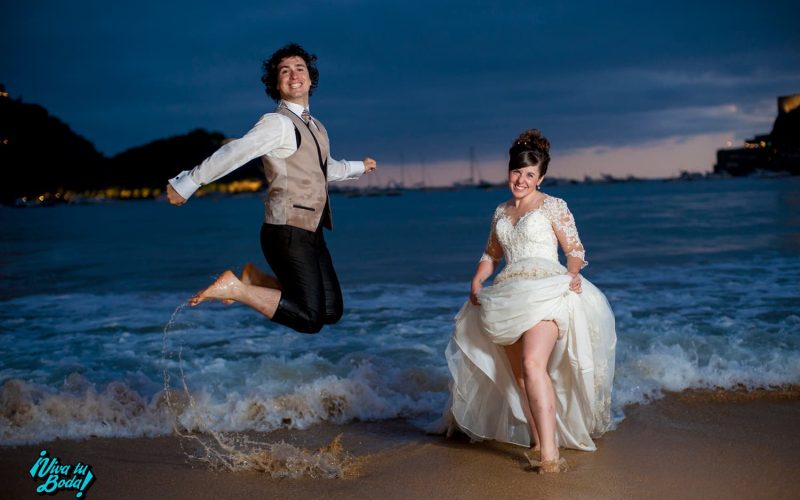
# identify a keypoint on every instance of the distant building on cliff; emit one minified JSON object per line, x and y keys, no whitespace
{"x":778,"y":151}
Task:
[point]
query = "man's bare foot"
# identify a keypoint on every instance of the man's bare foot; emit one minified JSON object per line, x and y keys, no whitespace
{"x":244,"y":278}
{"x":252,"y":275}
{"x":247,"y":273}
{"x":222,"y":289}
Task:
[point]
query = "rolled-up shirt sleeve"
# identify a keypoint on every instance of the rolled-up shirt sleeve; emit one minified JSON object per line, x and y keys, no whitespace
{"x":273,"y":135}
{"x":342,"y":170}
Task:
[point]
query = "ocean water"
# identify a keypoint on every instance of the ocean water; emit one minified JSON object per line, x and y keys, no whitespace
{"x":702,"y":276}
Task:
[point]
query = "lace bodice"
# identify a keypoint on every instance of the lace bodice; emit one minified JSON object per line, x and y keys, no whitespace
{"x":536,"y":233}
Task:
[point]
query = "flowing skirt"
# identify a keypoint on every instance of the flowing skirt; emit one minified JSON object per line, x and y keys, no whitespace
{"x":486,"y":402}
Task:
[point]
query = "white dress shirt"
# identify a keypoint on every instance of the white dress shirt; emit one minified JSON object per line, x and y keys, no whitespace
{"x":273,"y":135}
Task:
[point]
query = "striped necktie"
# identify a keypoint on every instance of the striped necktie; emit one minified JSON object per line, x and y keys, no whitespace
{"x":306,"y":116}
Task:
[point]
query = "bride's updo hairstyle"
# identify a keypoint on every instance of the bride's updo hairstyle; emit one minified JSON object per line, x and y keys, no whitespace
{"x":530,"y":149}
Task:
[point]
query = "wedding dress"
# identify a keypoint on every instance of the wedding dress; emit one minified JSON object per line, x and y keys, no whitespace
{"x":485,"y":401}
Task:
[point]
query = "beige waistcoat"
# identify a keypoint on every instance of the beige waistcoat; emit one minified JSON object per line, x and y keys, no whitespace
{"x":298,"y":188}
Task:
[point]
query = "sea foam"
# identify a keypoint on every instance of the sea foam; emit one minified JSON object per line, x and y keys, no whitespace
{"x":80,"y":365}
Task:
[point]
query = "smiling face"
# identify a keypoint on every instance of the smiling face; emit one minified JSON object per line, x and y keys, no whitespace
{"x":523,"y":181}
{"x":294,"y":81}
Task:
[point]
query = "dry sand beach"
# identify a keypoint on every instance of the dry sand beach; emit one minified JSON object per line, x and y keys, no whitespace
{"x":697,"y":444}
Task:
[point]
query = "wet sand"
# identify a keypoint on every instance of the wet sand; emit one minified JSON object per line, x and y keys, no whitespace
{"x":690,"y":445}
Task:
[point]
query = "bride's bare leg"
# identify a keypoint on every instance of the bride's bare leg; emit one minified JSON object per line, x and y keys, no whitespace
{"x":514,"y":354}
{"x":537,"y":345}
{"x":228,"y":287}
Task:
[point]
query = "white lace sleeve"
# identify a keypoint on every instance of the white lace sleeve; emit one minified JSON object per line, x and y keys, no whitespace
{"x":564,"y":226}
{"x":493,"y":251}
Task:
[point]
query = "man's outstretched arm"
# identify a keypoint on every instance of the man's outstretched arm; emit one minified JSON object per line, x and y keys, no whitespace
{"x":342,"y":170}
{"x":273,"y":135}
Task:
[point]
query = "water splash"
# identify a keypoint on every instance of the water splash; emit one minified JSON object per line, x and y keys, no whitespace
{"x":237,"y":452}
{"x":234,"y":451}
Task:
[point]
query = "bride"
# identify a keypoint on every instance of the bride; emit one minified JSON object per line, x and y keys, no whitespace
{"x":532,"y":356}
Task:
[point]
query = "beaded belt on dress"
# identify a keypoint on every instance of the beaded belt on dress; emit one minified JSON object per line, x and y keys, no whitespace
{"x":529,"y":273}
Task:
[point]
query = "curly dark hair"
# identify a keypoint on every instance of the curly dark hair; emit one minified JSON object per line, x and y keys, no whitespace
{"x":530,"y":149}
{"x":270,"y":67}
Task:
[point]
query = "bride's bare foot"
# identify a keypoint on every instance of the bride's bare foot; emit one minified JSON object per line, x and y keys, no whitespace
{"x":222,"y":289}
{"x":548,"y":466}
{"x":553,"y":466}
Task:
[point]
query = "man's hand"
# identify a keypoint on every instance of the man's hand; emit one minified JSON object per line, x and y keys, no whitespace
{"x":173,"y":196}
{"x":369,"y":165}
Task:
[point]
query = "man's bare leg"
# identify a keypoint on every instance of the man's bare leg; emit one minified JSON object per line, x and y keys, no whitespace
{"x":228,"y":287}
{"x":252,"y":275}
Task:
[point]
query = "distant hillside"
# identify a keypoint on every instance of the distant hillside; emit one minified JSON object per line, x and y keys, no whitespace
{"x":153,"y":163}
{"x":39,"y":152}
{"x":42,"y":155}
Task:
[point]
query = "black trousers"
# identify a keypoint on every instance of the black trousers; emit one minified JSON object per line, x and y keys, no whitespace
{"x":311,"y":296}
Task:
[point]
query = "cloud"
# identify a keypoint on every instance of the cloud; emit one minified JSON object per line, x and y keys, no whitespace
{"x":411,"y":79}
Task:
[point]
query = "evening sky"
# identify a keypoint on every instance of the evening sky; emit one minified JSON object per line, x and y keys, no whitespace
{"x":648,"y":88}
